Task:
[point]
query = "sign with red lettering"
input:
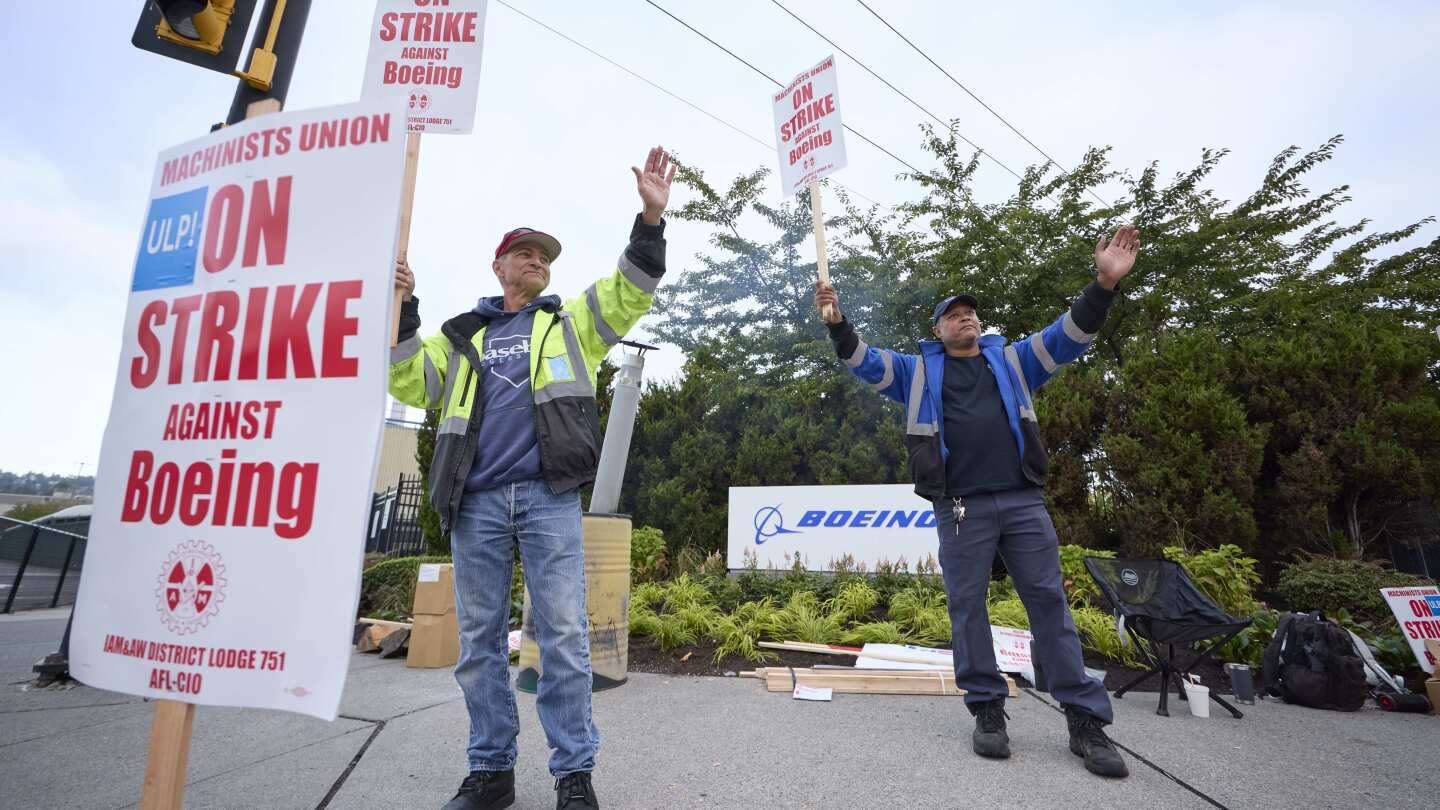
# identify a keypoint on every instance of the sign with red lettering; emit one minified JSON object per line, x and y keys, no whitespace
{"x":428,"y":52}
{"x":1417,"y":609}
{"x":234,"y":478}
{"x":808,"y":132}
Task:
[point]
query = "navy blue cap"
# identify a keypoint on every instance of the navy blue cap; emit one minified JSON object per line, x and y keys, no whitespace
{"x":948,"y":302}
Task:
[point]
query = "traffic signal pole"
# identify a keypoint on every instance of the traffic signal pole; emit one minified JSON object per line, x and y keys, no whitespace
{"x":286,"y":50}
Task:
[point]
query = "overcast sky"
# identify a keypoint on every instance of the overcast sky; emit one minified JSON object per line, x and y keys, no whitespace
{"x":558,"y":128}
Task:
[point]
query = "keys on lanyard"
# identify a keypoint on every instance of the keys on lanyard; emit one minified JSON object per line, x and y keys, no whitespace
{"x":959,"y":509}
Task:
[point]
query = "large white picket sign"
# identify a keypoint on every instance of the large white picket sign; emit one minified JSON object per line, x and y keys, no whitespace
{"x":231,"y":498}
{"x":809,"y":136}
{"x":428,"y":53}
{"x":819,"y":525}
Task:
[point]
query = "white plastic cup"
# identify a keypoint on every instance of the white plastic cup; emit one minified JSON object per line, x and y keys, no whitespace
{"x":1198,"y":696}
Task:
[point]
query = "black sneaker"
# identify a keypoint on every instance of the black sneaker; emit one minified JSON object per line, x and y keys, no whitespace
{"x":990,"y":739}
{"x":574,"y":792}
{"x":484,"y":790}
{"x":1088,"y":740}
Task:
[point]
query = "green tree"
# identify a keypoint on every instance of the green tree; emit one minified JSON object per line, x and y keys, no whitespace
{"x":436,"y":543}
{"x":1268,"y":378}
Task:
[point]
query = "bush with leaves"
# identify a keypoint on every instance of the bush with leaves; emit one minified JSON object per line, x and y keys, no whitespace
{"x":854,"y":600}
{"x":1331,"y":585}
{"x":647,"y":554}
{"x":387,"y":589}
{"x":1079,"y":585}
{"x":1224,"y":574}
{"x":884,"y":632}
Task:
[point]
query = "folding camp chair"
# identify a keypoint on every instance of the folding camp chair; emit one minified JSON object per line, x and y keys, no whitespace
{"x":1158,"y":607}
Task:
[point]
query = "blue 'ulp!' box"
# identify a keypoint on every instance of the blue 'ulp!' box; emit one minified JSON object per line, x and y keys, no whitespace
{"x":170,"y":242}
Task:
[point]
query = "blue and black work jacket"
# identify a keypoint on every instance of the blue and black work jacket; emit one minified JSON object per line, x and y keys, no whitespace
{"x":1020,"y":369}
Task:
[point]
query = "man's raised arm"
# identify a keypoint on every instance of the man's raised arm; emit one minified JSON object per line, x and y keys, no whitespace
{"x":1042,"y":353}
{"x":886,"y":371}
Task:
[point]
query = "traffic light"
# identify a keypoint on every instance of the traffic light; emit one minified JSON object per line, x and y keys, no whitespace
{"x":207,"y":33}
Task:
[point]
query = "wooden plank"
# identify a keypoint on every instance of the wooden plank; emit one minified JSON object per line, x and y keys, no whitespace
{"x":164,"y":787}
{"x":407,"y":205}
{"x":817,"y":222}
{"x":805,"y":646}
{"x":870,"y":681}
{"x":377,"y":631}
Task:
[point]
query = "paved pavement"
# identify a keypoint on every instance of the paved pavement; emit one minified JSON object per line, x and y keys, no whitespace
{"x":672,"y":742}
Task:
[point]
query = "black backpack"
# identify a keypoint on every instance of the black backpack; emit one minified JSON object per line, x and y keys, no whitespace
{"x":1312,"y":661}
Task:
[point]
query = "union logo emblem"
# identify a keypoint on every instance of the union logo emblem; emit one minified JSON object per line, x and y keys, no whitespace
{"x":190,"y":587}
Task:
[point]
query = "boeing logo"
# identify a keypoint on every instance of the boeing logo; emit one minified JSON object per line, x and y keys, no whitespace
{"x":769,"y":522}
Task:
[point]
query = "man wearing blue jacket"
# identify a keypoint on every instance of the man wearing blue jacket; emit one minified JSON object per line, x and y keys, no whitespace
{"x":975,"y":452}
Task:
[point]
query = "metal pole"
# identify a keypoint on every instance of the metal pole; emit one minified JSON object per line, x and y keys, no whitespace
{"x":287,"y":52}
{"x":64,"y":569}
{"x":20,"y":573}
{"x":625,"y":403}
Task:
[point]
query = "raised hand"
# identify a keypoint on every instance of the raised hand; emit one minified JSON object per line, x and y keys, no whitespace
{"x":825,"y":297}
{"x":1114,"y":260}
{"x":653,"y":183}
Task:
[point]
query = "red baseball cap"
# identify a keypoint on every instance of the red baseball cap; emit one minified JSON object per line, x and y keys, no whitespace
{"x":521,"y":236}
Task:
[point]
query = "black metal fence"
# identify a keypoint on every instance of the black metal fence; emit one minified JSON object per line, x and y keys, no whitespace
{"x":39,"y":565}
{"x":394,"y":526}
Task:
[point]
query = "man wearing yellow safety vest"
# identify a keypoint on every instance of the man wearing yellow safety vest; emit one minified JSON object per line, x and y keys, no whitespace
{"x":514,"y":379}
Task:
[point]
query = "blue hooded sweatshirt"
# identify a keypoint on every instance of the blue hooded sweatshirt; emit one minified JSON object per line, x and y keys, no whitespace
{"x":506,"y":449}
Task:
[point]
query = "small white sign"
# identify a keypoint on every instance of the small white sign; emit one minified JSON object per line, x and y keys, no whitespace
{"x":809,"y":136}
{"x":429,"y":572}
{"x":1417,"y":610}
{"x":1012,"y":649}
{"x":803,"y":692}
{"x":428,"y":52}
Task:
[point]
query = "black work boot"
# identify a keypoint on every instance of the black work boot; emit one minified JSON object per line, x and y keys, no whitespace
{"x":1088,"y":740}
{"x":574,"y":792}
{"x":484,"y":790}
{"x":990,"y":739}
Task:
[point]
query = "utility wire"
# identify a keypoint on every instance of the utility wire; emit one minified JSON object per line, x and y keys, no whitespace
{"x":981,"y":102}
{"x":596,"y":53}
{"x":776,"y":82}
{"x":769,"y":147}
{"x":900,"y":92}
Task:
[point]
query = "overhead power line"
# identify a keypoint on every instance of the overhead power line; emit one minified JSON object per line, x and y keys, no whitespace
{"x":900,"y":92}
{"x":769,"y":147}
{"x":777,"y":83}
{"x":979,"y":100}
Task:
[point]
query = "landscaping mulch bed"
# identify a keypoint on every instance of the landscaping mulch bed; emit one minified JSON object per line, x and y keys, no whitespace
{"x":646,"y":656}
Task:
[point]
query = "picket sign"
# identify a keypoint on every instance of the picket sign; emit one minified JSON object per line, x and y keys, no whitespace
{"x":168,"y":757}
{"x":429,"y":53}
{"x":809,"y":138}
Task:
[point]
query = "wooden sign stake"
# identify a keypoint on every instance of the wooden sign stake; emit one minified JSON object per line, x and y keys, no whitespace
{"x":817,"y":219}
{"x":407,"y":202}
{"x":164,"y":787}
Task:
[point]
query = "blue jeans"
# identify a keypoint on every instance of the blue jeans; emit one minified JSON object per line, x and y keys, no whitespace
{"x":547,"y":528}
{"x":1016,"y":524}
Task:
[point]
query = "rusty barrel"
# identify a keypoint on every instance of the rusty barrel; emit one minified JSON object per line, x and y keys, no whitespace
{"x":607,"y":603}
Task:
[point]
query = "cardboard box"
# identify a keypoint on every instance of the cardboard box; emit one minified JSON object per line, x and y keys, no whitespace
{"x":1432,"y":689}
{"x":1433,"y":647}
{"x":435,"y":589}
{"x":434,"y":641}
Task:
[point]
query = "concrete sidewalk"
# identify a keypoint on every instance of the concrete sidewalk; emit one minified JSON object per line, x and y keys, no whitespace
{"x":699,"y":742}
